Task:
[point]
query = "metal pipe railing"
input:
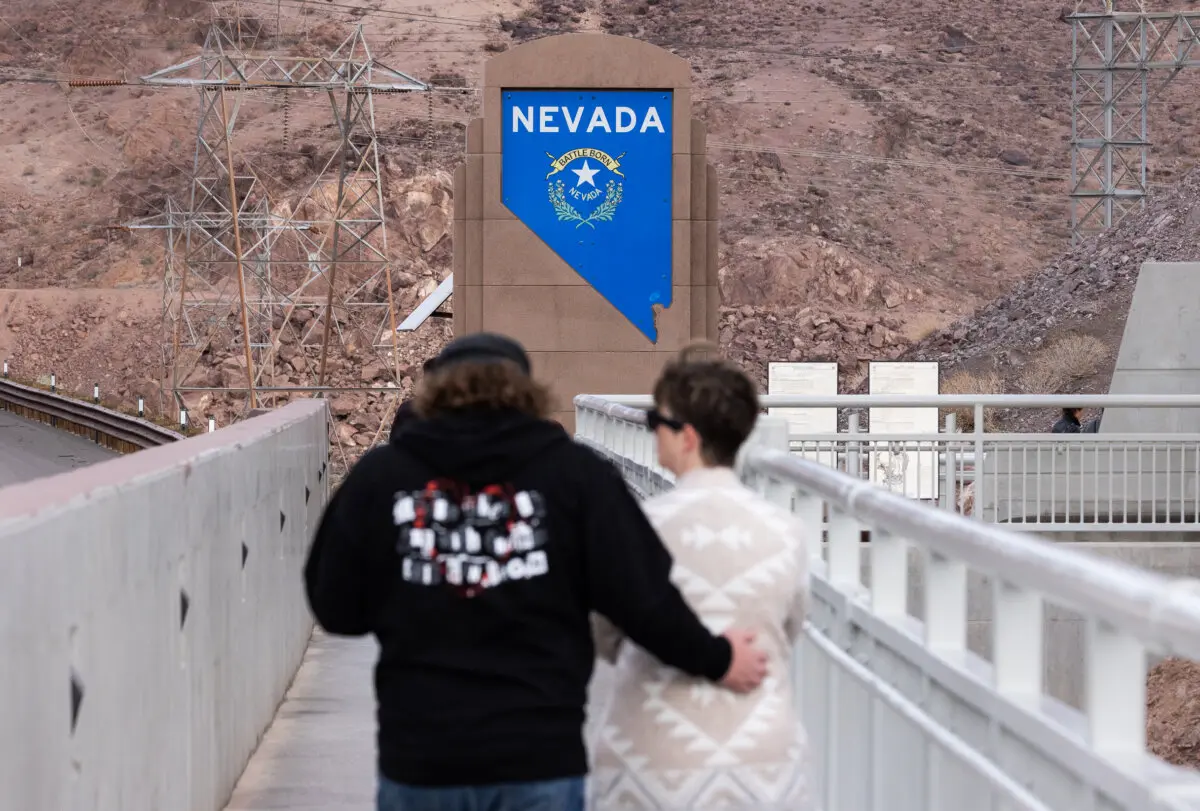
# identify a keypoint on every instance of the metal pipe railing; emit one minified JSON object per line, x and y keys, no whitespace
{"x":952,"y":400}
{"x":1039,"y":481}
{"x":1157,"y":609}
{"x":1127,"y":612}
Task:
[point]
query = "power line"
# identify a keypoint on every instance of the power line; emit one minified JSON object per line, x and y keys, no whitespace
{"x":754,"y":46}
{"x":827,"y":155}
{"x":359,"y":12}
{"x":852,"y":156}
{"x":834,"y":155}
{"x":738,"y":174}
{"x":471,"y":31}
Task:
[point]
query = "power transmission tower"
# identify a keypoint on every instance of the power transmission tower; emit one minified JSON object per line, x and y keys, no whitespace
{"x":1120,"y":61}
{"x":171,"y":223}
{"x":258,"y":277}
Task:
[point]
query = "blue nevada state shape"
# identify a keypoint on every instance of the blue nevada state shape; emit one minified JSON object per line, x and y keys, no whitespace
{"x":589,"y":172}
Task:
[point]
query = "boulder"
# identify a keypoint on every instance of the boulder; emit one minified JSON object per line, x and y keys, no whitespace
{"x":372,"y":372}
{"x":344,"y":405}
{"x":424,"y":207}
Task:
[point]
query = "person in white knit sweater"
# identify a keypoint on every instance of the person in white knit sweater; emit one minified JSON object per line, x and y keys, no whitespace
{"x":667,"y":741}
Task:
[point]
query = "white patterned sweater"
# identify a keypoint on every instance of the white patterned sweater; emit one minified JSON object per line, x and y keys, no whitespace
{"x":670,"y":742}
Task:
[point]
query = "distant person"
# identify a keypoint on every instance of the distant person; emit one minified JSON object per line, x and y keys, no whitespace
{"x":667,"y":740}
{"x":1069,"y":423}
{"x":475,"y":546}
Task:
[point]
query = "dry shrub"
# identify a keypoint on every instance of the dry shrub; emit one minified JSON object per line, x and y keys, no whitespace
{"x":968,"y":383}
{"x":1065,"y":361}
{"x":920,"y":326}
{"x":1173,"y":712}
{"x":448,"y":79}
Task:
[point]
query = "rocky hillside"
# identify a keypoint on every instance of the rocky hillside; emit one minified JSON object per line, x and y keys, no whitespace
{"x":885,"y":169}
{"x":1071,"y":313}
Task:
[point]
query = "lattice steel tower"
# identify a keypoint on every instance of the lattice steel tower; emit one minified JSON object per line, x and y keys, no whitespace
{"x":1120,"y":60}
{"x":255,"y":273}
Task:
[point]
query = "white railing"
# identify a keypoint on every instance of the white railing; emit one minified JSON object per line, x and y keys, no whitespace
{"x":1142,"y":482}
{"x":904,"y":713}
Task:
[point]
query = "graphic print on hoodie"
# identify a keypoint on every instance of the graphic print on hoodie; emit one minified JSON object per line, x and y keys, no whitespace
{"x":470,"y":541}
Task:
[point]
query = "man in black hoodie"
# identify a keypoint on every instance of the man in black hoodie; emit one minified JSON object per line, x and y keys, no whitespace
{"x":406,"y":413}
{"x":474,"y":546}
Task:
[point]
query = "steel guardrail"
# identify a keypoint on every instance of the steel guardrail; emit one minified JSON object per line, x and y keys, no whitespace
{"x":112,"y":429}
{"x":854,"y":401}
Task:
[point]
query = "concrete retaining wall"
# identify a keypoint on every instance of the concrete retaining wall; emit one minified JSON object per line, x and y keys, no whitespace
{"x":152,"y":615}
{"x":1160,"y":350}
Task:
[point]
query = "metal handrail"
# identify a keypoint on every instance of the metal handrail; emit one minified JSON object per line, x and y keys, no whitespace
{"x":991,"y":438}
{"x":1127,"y":612}
{"x":1163,"y":613}
{"x":107,"y":427}
{"x":952,"y":400}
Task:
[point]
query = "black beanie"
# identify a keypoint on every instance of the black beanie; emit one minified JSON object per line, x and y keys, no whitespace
{"x":482,"y":347}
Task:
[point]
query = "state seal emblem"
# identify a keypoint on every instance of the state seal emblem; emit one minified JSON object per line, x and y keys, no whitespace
{"x":598,"y":200}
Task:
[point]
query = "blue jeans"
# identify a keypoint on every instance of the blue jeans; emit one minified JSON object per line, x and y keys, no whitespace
{"x":547,"y":795}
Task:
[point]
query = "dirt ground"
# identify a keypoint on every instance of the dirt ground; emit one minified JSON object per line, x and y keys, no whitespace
{"x":107,"y":337}
{"x":1173,"y":709}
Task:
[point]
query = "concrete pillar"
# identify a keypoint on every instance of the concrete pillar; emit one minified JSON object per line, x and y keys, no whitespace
{"x":1160,"y":350}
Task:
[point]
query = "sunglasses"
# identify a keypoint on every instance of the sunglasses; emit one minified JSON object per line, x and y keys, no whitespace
{"x":654,"y":419}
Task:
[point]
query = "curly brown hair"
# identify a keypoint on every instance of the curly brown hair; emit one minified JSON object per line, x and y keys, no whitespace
{"x":712,"y":395}
{"x":493,"y":386}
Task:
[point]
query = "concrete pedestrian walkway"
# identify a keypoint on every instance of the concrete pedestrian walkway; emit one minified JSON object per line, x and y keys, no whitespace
{"x":319,"y":752}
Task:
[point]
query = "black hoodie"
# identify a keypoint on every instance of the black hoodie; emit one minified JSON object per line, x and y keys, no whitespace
{"x":474,"y":547}
{"x":405,"y":414}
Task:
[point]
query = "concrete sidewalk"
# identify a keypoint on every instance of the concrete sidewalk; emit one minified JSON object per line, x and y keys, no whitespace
{"x":319,"y":752}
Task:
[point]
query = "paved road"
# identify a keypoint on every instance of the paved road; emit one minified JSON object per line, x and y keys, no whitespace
{"x":31,"y":450}
{"x":319,"y":754}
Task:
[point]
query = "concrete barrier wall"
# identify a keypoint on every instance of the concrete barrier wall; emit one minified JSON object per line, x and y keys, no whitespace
{"x":152,"y":615}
